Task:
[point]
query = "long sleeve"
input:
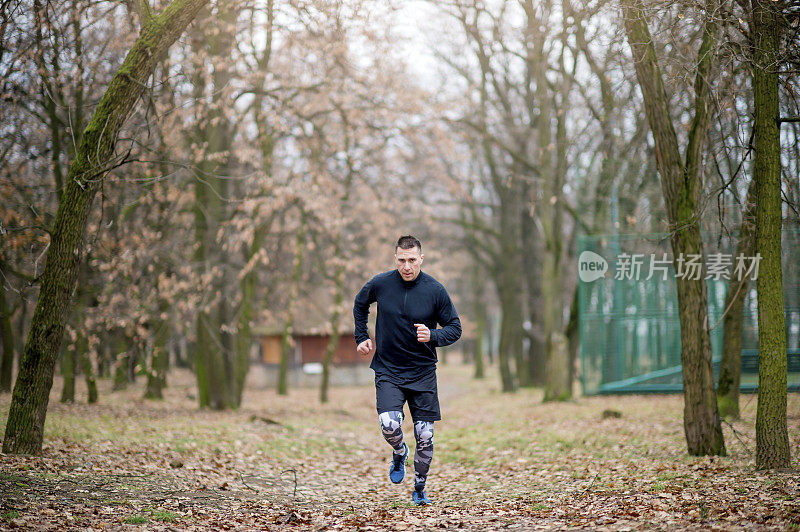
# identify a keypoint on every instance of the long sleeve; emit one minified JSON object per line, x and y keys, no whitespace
{"x":447,"y":317}
{"x":364,"y":298}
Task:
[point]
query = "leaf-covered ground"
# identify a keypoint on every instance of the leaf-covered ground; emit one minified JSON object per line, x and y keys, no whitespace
{"x":501,"y":461}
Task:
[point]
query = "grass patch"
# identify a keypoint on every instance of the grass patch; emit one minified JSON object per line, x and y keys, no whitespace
{"x":135,"y":520}
{"x":311,"y":446}
{"x":672,"y":475}
{"x":398,"y":504}
{"x":481,"y":445}
{"x":164,"y":516}
{"x":9,"y":515}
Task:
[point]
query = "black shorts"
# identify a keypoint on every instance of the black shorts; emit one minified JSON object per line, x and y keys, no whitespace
{"x":422,"y":397}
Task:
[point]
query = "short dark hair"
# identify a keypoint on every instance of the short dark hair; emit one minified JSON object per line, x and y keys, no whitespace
{"x":408,"y":242}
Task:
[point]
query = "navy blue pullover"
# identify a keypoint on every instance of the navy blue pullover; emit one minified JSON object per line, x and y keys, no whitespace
{"x":401,"y":304}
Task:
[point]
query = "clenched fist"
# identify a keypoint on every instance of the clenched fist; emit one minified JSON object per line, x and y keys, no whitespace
{"x":365,"y":347}
{"x":423,"y":333}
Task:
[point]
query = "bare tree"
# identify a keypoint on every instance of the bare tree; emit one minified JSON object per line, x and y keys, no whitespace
{"x":95,"y":156}
{"x":681,"y":179}
{"x":772,"y":439}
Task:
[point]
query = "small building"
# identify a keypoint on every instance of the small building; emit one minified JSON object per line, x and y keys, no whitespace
{"x":305,"y":365}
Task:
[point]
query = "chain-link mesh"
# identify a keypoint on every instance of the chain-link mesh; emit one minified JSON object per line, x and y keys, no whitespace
{"x":629,"y":326}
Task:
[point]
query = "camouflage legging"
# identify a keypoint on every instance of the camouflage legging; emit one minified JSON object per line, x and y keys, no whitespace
{"x":423,"y":432}
{"x":392,"y":433}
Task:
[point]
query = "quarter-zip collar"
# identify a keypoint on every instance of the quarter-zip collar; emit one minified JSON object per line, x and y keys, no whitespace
{"x":409,"y":284}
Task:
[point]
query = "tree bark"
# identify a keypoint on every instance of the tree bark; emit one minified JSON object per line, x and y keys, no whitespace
{"x":159,"y":360}
{"x":772,"y":440}
{"x":508,"y":276}
{"x":87,"y":368}
{"x":287,"y":340}
{"x":7,"y":338}
{"x":120,"y":372}
{"x":121,"y":356}
{"x":333,"y":341}
{"x":215,"y":354}
{"x":532,"y":260}
{"x":558,"y":375}
{"x":68,"y":371}
{"x":28,"y":409}
{"x":730,"y":370}
{"x":681,"y":188}
{"x":572,"y":332}
{"x":244,"y":336}
{"x":479,"y":311}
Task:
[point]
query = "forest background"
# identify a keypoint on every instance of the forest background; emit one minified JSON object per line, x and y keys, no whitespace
{"x":174,"y":175}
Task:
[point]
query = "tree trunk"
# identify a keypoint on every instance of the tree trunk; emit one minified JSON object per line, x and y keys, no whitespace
{"x":681,"y":187}
{"x":159,"y":360}
{"x":68,"y":371}
{"x":21,"y":328}
{"x":214,"y":354}
{"x":510,"y":339}
{"x":249,"y":283}
{"x":81,"y":353}
{"x":87,"y":368}
{"x":559,"y":387}
{"x":28,"y":409}
{"x":287,"y":340}
{"x":507,"y":264}
{"x":201,"y":360}
{"x":287,"y":354}
{"x":572,"y":332}
{"x":558,"y":383}
{"x":490,"y":340}
{"x":479,"y":310}
{"x":121,"y":355}
{"x":730,"y":369}
{"x":508,"y":276}
{"x":333,"y":341}
{"x":244,"y":337}
{"x":104,"y":357}
{"x":480,"y":335}
{"x":7,"y":338}
{"x":772,"y":440}
{"x":532,"y":257}
{"x":120,"y":372}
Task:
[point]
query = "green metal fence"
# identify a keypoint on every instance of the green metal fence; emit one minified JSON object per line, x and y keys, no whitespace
{"x":629,"y":327}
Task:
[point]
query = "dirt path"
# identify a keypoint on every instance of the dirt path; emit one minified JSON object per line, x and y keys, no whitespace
{"x":501,"y":461}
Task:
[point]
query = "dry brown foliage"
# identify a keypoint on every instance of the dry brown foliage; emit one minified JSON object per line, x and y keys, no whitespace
{"x":501,"y":461}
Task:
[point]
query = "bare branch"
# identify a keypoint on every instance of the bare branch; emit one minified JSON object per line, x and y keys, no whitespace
{"x":143,"y":11}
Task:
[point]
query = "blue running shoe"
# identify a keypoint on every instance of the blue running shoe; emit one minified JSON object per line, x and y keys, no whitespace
{"x":419,"y":497}
{"x":397,"y":469}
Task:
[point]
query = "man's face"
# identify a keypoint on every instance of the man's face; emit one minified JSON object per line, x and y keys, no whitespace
{"x":408,"y":262}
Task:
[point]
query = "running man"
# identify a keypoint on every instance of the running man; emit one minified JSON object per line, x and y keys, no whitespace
{"x":410,"y":304}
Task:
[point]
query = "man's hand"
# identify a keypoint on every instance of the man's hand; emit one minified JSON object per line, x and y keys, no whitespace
{"x":423,"y":333}
{"x":365,"y":347}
